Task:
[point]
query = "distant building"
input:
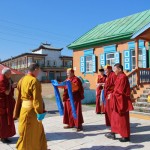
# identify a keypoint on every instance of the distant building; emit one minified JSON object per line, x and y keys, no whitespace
{"x":52,"y":63}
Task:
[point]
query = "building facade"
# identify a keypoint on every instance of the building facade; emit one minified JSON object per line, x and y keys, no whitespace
{"x":52,"y":63}
{"x":125,"y":41}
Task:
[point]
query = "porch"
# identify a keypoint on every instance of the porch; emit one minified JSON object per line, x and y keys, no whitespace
{"x":139,"y":78}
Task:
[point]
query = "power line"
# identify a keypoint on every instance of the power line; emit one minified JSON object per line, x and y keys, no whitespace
{"x":19,"y":42}
{"x":18,"y":31}
{"x":37,"y":29}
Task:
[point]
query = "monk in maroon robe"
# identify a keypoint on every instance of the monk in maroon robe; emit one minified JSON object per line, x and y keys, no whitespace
{"x":78,"y":95}
{"x":108,"y":90}
{"x":121,"y":105}
{"x":7,"y":103}
{"x":100,"y":108}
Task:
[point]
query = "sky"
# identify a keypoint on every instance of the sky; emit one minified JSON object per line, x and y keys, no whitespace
{"x":25,"y":24}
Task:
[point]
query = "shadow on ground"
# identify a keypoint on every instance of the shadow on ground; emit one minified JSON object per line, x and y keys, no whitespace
{"x":130,"y":147}
{"x":14,"y":140}
{"x":136,"y":136}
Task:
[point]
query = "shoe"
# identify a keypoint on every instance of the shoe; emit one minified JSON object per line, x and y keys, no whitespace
{"x":79,"y":129}
{"x":98,"y":113}
{"x":67,"y":127}
{"x":111,"y":135}
{"x":5,"y":140}
{"x":124,"y":139}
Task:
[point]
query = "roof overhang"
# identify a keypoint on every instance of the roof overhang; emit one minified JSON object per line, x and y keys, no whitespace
{"x":23,"y":55}
{"x":102,"y":42}
{"x":141,"y":31}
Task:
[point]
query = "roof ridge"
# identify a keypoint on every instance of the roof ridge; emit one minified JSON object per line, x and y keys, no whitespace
{"x":125,"y":17}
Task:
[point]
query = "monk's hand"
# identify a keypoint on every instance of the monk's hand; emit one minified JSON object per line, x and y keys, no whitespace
{"x":7,"y":92}
{"x":109,"y":96}
{"x":103,"y":84}
{"x":39,"y":121}
{"x":14,"y":85}
{"x":149,"y":93}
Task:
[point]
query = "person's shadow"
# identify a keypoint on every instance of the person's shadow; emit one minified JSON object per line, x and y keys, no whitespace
{"x":139,"y":133}
{"x":130,"y":147}
{"x":87,"y":131}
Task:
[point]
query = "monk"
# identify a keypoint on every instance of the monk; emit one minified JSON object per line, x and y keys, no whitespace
{"x":31,"y":131}
{"x":78,"y":95}
{"x":108,"y":90}
{"x":121,"y":105}
{"x":7,"y":102}
{"x":100,"y":108}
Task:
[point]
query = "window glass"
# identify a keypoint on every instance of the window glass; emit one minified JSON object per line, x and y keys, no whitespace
{"x":140,"y":58}
{"x":89,"y":65}
{"x":110,"y":59}
{"x":133,"y":59}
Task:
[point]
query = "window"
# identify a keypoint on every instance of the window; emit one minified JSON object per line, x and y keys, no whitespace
{"x":54,"y":63}
{"x":133,"y":60}
{"x":66,"y":63}
{"x":89,"y":67}
{"x":48,"y":63}
{"x":140,"y":61}
{"x":110,"y":59}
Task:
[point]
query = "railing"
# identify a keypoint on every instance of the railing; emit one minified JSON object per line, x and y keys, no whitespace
{"x":139,"y":76}
{"x":56,"y":67}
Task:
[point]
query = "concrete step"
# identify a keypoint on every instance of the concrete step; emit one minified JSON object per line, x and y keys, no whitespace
{"x":142,"y":109}
{"x":146,"y":91}
{"x":144,"y":95}
{"x":142,"y":99}
{"x":141,"y":104}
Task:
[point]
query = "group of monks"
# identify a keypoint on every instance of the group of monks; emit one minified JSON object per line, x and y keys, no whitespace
{"x":117,"y":101}
{"x":29,"y":106}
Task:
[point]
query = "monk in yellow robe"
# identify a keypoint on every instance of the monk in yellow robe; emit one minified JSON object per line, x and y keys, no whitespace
{"x":31,"y":131}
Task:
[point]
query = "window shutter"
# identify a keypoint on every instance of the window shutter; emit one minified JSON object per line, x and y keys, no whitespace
{"x":102,"y":60}
{"x":144,"y":55}
{"x":94,"y":63}
{"x":82,"y":64}
{"x":127,"y":60}
{"x":117,"y":57}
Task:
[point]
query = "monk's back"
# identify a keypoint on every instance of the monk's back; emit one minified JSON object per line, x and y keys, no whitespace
{"x":27,"y":86}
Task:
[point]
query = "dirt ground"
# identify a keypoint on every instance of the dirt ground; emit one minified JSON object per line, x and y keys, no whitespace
{"x":48,"y":90}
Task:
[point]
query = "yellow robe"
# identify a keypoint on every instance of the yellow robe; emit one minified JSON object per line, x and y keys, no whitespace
{"x":31,"y":131}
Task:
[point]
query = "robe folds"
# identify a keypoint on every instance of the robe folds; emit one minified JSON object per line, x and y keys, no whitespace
{"x":100,"y":108}
{"x":31,"y":131}
{"x":121,"y":105}
{"x":7,"y":102}
{"x":78,"y":95}
{"x":108,"y":89}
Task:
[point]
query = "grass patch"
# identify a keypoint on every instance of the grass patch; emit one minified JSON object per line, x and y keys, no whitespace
{"x":91,"y":105}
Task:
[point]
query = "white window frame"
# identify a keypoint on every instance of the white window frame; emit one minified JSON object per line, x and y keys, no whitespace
{"x":110,"y":59}
{"x":89,"y":64}
{"x":132,"y":65}
{"x":140,"y":60}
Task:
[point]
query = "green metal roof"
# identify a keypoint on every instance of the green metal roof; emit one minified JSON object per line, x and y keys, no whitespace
{"x":113,"y":31}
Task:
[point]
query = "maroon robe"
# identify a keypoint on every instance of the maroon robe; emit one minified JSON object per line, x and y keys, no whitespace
{"x":100,"y":108}
{"x":121,"y":105}
{"x":7,"y":103}
{"x":108,"y":89}
{"x":78,"y":96}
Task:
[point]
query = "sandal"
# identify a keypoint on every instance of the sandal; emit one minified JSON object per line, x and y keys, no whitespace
{"x":67,"y":127}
